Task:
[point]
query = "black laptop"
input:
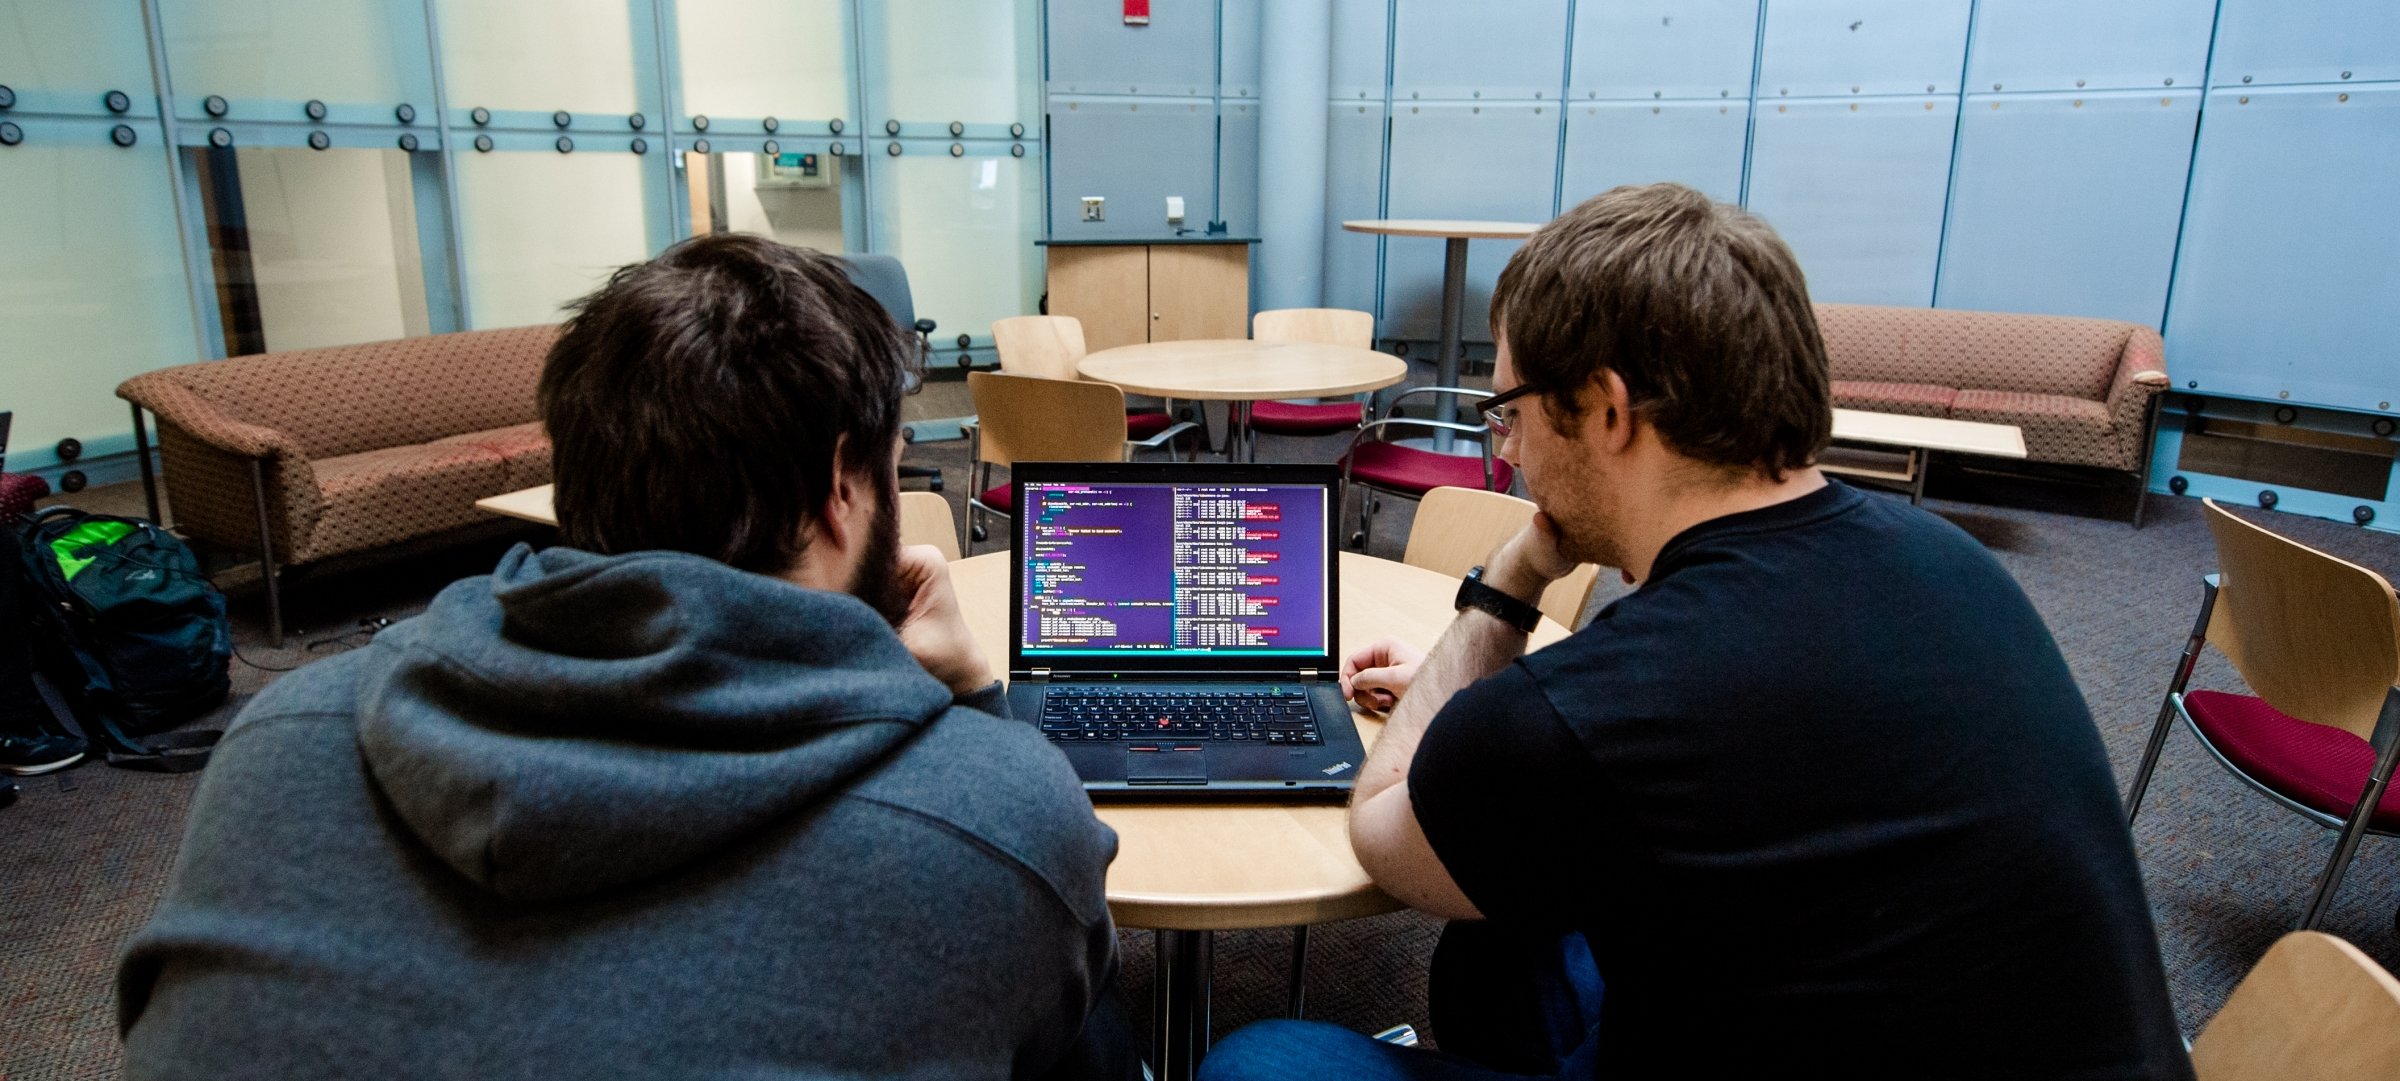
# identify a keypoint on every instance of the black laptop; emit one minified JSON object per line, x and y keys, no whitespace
{"x":1173,"y":628}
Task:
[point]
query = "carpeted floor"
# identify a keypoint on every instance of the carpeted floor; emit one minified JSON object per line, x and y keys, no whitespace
{"x":84,"y":854}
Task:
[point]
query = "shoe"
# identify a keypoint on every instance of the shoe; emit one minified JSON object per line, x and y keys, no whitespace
{"x":27,"y":756}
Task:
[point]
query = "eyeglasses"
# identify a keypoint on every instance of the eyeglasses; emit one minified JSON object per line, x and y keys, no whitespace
{"x":1498,"y":414}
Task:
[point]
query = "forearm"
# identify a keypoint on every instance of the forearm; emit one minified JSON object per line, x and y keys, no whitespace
{"x":1475,"y":645}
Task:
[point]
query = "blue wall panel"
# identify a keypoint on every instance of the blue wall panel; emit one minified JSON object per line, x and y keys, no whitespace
{"x":1360,"y":47}
{"x":1134,"y":152}
{"x":1663,"y":48}
{"x":2286,"y":282}
{"x":1857,"y":188}
{"x":1488,"y":162}
{"x":1241,"y":28}
{"x":1447,"y":49}
{"x":2081,"y":45}
{"x":1353,"y":191}
{"x":1092,"y":51}
{"x":1237,"y":174}
{"x":1638,"y":142}
{"x":2306,"y":41}
{"x":1834,"y":47}
{"x":2067,"y":204}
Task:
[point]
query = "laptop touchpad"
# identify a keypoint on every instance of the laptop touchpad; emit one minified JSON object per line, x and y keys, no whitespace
{"x":1179,"y":765}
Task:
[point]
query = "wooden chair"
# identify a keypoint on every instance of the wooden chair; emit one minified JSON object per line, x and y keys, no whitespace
{"x":1023,"y":418}
{"x":1458,"y":529}
{"x":1324,"y":326}
{"x":1380,"y":465}
{"x":2313,"y":1009}
{"x":2318,"y":639}
{"x":1049,"y":347}
{"x":925,"y":519}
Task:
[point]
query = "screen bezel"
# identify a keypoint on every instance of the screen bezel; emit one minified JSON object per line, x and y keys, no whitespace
{"x":1325,"y":476}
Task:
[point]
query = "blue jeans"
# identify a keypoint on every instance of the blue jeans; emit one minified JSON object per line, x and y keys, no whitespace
{"x":1503,"y":1005}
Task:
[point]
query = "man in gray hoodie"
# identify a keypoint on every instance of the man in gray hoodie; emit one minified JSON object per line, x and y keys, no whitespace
{"x":721,"y":788}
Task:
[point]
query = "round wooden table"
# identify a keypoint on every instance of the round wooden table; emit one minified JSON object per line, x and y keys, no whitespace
{"x":1185,"y":870}
{"x":1240,"y":371}
{"x":1454,"y":288}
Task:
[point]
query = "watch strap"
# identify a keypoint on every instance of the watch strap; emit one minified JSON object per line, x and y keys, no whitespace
{"x":1475,"y":593}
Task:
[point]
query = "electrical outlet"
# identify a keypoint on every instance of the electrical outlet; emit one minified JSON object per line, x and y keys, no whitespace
{"x":1095,"y":208}
{"x":1174,"y":210}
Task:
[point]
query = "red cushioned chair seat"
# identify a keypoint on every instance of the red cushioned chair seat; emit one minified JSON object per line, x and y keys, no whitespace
{"x":17,"y":493}
{"x":2315,"y":765}
{"x":1000,"y":498}
{"x":1411,"y":470}
{"x":1145,"y":425}
{"x":1296,"y":418}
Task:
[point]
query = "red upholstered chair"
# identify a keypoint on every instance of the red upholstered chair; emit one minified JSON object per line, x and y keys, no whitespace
{"x":1376,"y":464}
{"x":1049,"y":347}
{"x":1323,"y":326}
{"x":2318,"y":640}
{"x":17,"y":490}
{"x":1023,"y":418}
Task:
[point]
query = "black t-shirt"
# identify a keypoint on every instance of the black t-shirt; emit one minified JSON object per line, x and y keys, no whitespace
{"x":1826,"y":802}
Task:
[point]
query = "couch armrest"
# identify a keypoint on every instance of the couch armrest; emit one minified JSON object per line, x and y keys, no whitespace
{"x":174,"y":403}
{"x":2141,"y":376}
{"x":207,"y":456}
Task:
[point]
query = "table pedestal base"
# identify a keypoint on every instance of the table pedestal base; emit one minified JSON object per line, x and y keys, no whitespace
{"x":1179,"y":1003}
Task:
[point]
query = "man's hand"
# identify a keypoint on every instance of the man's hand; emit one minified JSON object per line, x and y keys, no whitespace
{"x":1528,"y":562}
{"x":1376,"y":677}
{"x":934,"y":631}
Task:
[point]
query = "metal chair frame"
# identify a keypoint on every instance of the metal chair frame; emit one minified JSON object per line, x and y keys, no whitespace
{"x":1374,"y":428}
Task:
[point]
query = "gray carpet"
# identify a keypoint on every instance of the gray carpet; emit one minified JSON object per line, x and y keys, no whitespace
{"x":84,"y":855}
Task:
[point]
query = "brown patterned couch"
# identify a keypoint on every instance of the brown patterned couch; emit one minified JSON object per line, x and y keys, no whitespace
{"x":2084,"y":391}
{"x":322,"y":452}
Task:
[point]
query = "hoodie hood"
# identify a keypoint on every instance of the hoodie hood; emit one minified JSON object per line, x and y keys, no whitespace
{"x":573,"y":723}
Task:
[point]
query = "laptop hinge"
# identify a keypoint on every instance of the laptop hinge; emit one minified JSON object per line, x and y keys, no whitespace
{"x":1308,"y":675}
{"x":1037,"y":675}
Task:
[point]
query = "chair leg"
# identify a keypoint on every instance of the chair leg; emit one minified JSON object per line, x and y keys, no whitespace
{"x":266,"y":554}
{"x":2387,"y":750}
{"x":2141,"y":482}
{"x":2175,"y":686}
{"x":141,"y":453}
{"x":2141,"y":777}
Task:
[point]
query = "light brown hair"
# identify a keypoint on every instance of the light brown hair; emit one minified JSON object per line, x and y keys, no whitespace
{"x":1696,"y":304}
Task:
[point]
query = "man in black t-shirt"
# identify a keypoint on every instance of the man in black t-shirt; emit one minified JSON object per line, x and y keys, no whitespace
{"x":1819,"y":798}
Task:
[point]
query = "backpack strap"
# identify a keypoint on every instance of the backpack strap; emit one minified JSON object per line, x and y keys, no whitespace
{"x":163,"y":752}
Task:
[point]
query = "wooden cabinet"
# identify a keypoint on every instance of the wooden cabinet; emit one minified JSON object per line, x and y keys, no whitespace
{"x":1125,"y":293}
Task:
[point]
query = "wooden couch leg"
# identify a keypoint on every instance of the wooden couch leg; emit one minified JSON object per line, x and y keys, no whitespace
{"x":266,"y":554}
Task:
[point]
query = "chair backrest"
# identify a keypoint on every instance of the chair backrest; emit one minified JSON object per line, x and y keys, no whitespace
{"x":1044,"y":346}
{"x":925,"y":519}
{"x":1457,"y":529}
{"x":2313,"y":1009}
{"x":1323,"y":326}
{"x":1024,"y":418}
{"x":882,"y":277}
{"x":2317,"y":637}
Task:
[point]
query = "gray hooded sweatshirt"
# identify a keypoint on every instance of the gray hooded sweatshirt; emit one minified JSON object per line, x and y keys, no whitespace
{"x":635,"y":816}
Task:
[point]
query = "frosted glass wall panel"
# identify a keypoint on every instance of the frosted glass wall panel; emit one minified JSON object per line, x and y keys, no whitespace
{"x":803,"y":217}
{"x":1842,"y":47}
{"x":1092,"y":51}
{"x":1131,"y":153}
{"x":1698,"y":143}
{"x":1447,"y":49}
{"x":1237,"y":173}
{"x":1664,"y":48}
{"x":82,"y":48}
{"x":789,"y":59}
{"x":542,"y":229}
{"x":2286,"y":280}
{"x":2307,"y":41}
{"x":2067,"y":204}
{"x":333,"y":239}
{"x":540,"y":55}
{"x":343,"y":51}
{"x":964,"y":228}
{"x":95,"y":289}
{"x":1360,"y":28}
{"x":2081,"y":45}
{"x":975,"y":61}
{"x":1353,"y":192}
{"x":1490,"y":162}
{"x":1240,"y":27}
{"x":1856,"y":188}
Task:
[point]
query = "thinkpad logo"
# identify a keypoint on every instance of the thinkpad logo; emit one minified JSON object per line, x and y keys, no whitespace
{"x":1336,"y":768}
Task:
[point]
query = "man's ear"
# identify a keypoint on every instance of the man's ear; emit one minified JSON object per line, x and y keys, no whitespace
{"x":1609,"y":419}
{"x":841,"y":498}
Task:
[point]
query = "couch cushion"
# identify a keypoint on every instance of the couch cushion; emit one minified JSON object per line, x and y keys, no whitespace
{"x":1906,"y":399}
{"x":2070,"y":431}
{"x":524,"y":447}
{"x":2037,"y":354}
{"x":386,"y":496}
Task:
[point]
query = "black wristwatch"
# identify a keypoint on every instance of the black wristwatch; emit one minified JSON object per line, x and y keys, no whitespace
{"x":1474,"y":593}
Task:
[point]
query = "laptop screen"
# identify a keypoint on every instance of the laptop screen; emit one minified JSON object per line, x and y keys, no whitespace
{"x":1207,"y":568}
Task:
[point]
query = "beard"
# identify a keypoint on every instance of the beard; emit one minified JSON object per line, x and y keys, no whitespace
{"x":877,"y":580}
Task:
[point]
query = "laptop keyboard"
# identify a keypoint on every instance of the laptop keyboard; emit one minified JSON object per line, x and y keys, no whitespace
{"x":1272,"y":715}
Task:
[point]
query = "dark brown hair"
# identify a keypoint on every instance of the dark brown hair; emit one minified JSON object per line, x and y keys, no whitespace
{"x":695,"y":401}
{"x":1697,"y":305}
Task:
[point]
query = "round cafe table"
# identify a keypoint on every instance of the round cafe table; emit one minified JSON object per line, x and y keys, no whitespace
{"x":1455,"y":235}
{"x":1186,"y":870}
{"x":1239,"y":371}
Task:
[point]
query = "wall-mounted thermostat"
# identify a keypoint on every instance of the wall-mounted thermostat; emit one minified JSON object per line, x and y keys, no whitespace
{"x":795,"y":170}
